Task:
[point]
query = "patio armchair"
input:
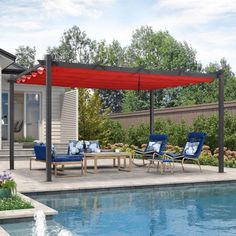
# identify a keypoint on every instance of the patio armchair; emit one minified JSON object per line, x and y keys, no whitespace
{"x":156,"y":145}
{"x":192,"y":149}
{"x":57,"y":160}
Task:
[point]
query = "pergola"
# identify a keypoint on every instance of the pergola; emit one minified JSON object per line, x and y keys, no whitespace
{"x":76,"y":75}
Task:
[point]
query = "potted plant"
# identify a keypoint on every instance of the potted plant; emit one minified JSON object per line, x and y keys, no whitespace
{"x":7,"y":185}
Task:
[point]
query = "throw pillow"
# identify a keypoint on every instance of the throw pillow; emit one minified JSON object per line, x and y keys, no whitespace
{"x":93,"y":146}
{"x":154,"y":146}
{"x":191,"y":148}
{"x":72,"y":149}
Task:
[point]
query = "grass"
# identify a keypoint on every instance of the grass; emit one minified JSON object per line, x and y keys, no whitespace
{"x":14,"y":203}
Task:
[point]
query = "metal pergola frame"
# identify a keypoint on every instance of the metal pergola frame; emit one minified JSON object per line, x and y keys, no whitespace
{"x":49,"y":62}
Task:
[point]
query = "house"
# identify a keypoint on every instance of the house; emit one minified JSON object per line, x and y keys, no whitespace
{"x":30,"y":107}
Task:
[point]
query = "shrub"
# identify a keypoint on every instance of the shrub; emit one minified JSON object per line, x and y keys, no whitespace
{"x":210,"y":126}
{"x":138,"y":135}
{"x":115,"y":134}
{"x":14,"y":203}
{"x":177,"y":132}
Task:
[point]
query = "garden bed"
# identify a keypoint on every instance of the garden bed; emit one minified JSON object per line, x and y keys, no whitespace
{"x":14,"y":203}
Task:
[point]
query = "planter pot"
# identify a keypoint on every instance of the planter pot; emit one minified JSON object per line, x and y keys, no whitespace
{"x":28,"y":145}
{"x":5,"y":193}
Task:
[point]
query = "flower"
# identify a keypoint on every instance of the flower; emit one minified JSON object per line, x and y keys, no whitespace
{"x":6,"y":181}
{"x":5,"y":176}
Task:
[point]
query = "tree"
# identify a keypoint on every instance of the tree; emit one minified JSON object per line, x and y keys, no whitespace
{"x":160,"y":51}
{"x":208,"y":92}
{"x":92,"y":123}
{"x":111,"y":55}
{"x":25,"y":56}
{"x":75,"y":46}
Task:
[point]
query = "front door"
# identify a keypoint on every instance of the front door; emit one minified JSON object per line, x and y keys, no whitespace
{"x":32,"y":115}
{"x":4,"y":116}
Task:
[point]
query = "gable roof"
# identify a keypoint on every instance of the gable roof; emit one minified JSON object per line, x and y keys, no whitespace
{"x":6,"y":59}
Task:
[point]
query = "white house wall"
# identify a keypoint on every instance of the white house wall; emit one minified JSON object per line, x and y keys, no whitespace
{"x":57,"y":96}
{"x":69,"y":116}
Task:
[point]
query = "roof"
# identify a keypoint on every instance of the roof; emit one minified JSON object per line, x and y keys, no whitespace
{"x":77,"y":75}
{"x":6,"y":59}
{"x":14,"y":69}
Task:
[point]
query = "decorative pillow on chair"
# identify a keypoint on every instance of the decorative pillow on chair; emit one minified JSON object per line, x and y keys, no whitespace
{"x":53,"y":150}
{"x":154,"y":146}
{"x":191,"y":148}
{"x":93,"y":146}
{"x":72,"y":147}
{"x":80,"y":145}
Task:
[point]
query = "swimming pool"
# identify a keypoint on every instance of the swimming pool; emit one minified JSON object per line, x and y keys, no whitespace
{"x":202,"y":210}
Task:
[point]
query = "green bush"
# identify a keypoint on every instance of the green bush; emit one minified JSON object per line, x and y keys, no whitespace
{"x":138,"y":135}
{"x":14,"y":203}
{"x":176,"y":132}
{"x":116,"y":133}
{"x":208,"y":160}
{"x":210,"y":126}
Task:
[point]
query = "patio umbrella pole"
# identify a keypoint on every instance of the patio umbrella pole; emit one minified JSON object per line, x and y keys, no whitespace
{"x":48,"y":117}
{"x":151,"y":111}
{"x":220,"y":77}
{"x":11,"y":144}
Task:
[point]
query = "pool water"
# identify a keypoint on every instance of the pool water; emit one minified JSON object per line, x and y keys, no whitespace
{"x":202,"y":210}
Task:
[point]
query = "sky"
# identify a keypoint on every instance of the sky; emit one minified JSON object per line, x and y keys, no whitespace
{"x":207,"y":25}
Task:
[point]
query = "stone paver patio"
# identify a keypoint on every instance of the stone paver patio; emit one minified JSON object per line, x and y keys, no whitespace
{"x":107,"y":177}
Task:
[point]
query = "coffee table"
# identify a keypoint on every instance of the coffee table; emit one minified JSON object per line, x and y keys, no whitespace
{"x":108,"y":155}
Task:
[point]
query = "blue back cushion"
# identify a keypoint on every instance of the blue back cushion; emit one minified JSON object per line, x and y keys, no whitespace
{"x":40,"y":151}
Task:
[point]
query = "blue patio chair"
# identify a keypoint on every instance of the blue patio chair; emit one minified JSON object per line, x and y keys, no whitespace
{"x":156,"y":144}
{"x":57,"y":160}
{"x":192,"y":149}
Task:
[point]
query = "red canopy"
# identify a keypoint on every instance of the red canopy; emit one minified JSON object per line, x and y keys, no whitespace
{"x":103,"y":77}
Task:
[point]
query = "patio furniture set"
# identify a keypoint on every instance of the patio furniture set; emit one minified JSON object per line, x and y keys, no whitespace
{"x":80,"y":152}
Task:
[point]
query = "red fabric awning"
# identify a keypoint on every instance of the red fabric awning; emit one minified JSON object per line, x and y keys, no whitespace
{"x":97,"y":77}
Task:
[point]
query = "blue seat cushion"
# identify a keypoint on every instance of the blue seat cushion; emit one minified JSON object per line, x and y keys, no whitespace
{"x":174,"y":155}
{"x":67,"y":158}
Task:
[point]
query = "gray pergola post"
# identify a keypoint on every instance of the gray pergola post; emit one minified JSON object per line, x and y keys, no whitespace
{"x":220,"y":77}
{"x":48,"y":117}
{"x":151,"y":111}
{"x":11,"y":138}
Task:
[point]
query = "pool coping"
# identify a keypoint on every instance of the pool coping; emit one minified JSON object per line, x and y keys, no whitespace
{"x":3,"y":232}
{"x":129,"y":187}
{"x":26,"y":214}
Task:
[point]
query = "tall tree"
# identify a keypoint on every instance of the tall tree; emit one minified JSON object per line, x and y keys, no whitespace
{"x":159,"y":50}
{"x":75,"y":46}
{"x":25,"y":56}
{"x":92,"y":124}
{"x":111,"y":55}
{"x":208,"y":92}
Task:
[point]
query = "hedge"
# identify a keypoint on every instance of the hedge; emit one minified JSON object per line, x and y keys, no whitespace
{"x":177,"y":132}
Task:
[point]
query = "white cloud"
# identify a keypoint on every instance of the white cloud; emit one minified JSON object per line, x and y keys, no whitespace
{"x":192,"y":13}
{"x":92,"y":8}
